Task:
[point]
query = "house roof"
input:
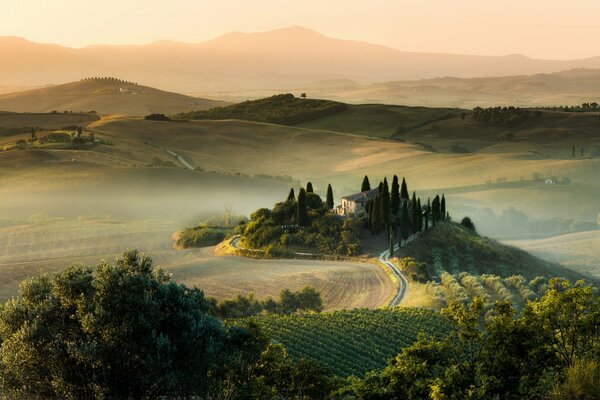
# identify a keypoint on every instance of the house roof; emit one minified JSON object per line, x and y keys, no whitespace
{"x":362,"y":196}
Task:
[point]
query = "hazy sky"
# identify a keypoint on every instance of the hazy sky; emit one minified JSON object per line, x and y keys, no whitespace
{"x":537,"y":28}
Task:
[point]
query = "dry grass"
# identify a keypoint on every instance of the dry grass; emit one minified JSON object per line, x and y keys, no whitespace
{"x":579,"y":251}
{"x":49,"y":245}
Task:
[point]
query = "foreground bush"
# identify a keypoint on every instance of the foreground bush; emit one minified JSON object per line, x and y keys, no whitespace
{"x":121,"y":330}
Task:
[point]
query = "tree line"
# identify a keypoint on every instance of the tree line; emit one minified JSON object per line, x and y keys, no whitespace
{"x":505,"y":117}
{"x":307,"y":299}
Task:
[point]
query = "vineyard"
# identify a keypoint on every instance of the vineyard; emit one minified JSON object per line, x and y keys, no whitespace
{"x":352,"y":342}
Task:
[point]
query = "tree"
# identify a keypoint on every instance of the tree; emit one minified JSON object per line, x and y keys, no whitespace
{"x":443,"y":208}
{"x":33,"y":132}
{"x":392,"y":242}
{"x":385,"y":205}
{"x":301,"y":209}
{"x":467,"y":223}
{"x":414,"y":214}
{"x":309,"y":188}
{"x":303,"y":95}
{"x":291,"y":195}
{"x":395,"y":196}
{"x":419,"y":216}
{"x":435,"y":210}
{"x":404,"y":191}
{"x":366,"y":185}
{"x":121,"y":330}
{"x":404,"y":222}
{"x":329,"y":201}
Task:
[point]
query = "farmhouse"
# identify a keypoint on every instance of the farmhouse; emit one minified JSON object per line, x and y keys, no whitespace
{"x":354,"y":204}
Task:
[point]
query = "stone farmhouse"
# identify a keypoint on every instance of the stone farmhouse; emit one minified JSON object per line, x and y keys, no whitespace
{"x":355,"y":204}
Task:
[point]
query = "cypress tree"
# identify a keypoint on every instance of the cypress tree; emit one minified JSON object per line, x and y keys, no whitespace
{"x":385,"y":205}
{"x":435,"y":210}
{"x":371,"y":204}
{"x":377,"y":219}
{"x":443,"y":208}
{"x":427,"y":214}
{"x":301,"y":211}
{"x":366,"y":185}
{"x":392,"y":243}
{"x":404,"y":222}
{"x":395,"y":199}
{"x":380,"y":187}
{"x":414,"y":214}
{"x":404,"y":191}
{"x":329,"y":200}
{"x":309,"y":188}
{"x":292,"y":195}
{"x":420,"y":216}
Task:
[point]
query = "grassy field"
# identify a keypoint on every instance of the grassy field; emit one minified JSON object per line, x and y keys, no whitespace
{"x":579,"y":251}
{"x":352,"y":342}
{"x":44,"y":244}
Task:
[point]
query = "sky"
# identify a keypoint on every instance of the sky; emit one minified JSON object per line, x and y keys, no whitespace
{"x":537,"y":28}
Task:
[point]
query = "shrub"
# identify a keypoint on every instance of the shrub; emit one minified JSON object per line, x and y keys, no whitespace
{"x":200,"y":236}
{"x":157,"y":117}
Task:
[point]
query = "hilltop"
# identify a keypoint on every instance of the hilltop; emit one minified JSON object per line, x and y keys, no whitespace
{"x":104,"y":96}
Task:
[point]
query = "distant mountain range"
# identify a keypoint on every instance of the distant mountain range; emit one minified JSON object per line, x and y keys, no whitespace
{"x":240,"y":63}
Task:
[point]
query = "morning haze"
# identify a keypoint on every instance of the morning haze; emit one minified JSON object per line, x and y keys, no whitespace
{"x":299,"y":200}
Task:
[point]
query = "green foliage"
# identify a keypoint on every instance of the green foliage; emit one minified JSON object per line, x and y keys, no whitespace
{"x":330,"y":202}
{"x":284,"y":109}
{"x":495,"y":355}
{"x":308,"y":299}
{"x":351,"y":342}
{"x":306,"y":225}
{"x":121,"y":330}
{"x":366,"y":185}
{"x":157,"y":117}
{"x":201,"y":236}
{"x":506,"y":117}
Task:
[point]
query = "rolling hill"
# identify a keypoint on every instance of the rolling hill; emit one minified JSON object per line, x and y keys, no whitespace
{"x":566,"y":87}
{"x":104,"y":96}
{"x":246,"y":63}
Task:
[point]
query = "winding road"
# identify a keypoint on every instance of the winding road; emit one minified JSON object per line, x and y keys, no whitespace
{"x":180,"y":159}
{"x":384,"y":258}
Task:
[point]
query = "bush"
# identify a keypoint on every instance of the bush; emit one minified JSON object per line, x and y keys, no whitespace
{"x":157,"y":117}
{"x":200,"y":236}
{"x":467,"y":223}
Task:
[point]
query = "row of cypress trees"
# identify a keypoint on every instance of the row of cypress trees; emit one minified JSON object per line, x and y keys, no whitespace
{"x":397,"y":214}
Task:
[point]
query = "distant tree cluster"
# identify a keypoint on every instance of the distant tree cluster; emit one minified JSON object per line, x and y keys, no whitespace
{"x":305,"y":300}
{"x":157,"y":117}
{"x":505,"y":117}
{"x":302,"y":223}
{"x":584,"y":107}
{"x":284,"y":109}
{"x":108,"y":79}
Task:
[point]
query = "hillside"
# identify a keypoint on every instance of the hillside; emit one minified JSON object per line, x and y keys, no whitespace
{"x":565,"y":87}
{"x":283,"y":109}
{"x":456,"y":249}
{"x":352,"y":342}
{"x":104,"y":96}
{"x":239,"y":63}
{"x":580,"y":251}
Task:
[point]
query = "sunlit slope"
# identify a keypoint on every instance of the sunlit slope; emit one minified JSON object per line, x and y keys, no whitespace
{"x":580,"y":251}
{"x":105,"y":96}
{"x":9,"y":121}
{"x":456,"y":249}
